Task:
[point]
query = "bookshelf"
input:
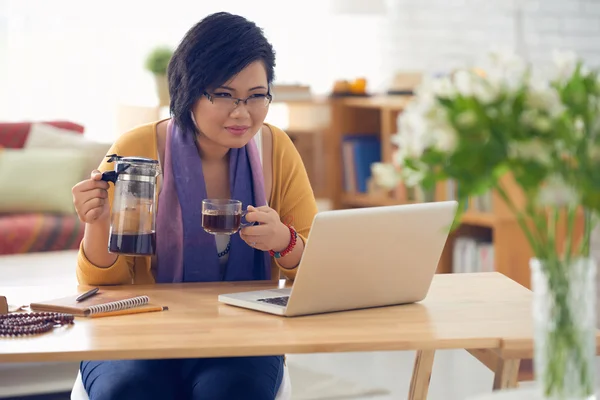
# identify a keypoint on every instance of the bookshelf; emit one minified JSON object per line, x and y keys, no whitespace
{"x":493,"y":225}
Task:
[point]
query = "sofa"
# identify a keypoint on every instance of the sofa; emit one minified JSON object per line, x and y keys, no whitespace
{"x":39,"y":163}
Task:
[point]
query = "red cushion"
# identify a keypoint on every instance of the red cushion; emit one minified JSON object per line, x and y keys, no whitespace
{"x":28,"y":233}
{"x":14,"y":134}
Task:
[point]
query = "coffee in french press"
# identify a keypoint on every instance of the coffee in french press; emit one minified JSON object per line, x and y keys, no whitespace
{"x":133,"y":213}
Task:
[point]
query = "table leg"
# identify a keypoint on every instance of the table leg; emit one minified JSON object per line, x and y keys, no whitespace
{"x":487,"y":357}
{"x":506,"y":374}
{"x":419,"y":383}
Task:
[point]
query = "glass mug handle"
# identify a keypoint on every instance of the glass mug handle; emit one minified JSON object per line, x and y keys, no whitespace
{"x":245,"y":224}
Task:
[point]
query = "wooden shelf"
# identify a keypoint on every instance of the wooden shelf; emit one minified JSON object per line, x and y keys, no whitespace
{"x":479,"y":218}
{"x":475,"y":218}
{"x":368,"y":200}
{"x":389,"y":102}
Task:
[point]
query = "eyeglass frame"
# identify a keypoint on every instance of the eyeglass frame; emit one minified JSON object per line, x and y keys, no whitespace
{"x":237,"y":100}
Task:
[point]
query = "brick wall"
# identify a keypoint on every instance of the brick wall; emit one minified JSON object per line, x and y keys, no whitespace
{"x":437,"y":35}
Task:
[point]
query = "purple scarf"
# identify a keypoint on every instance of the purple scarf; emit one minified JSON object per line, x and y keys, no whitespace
{"x":185,"y":252}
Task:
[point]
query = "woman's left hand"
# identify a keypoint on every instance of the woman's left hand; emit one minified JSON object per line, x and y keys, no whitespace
{"x":269,"y":234}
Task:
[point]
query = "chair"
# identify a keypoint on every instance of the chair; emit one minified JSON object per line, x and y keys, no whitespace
{"x":284,"y":392}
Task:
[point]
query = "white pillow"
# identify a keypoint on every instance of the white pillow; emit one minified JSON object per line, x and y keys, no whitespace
{"x":50,"y":137}
{"x":39,"y":180}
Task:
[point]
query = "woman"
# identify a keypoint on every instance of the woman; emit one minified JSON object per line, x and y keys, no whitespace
{"x":219,"y":80}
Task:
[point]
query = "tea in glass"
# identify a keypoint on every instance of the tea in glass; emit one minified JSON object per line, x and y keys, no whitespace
{"x":222,"y":216}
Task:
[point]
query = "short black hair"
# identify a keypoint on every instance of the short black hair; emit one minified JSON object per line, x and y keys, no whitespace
{"x":212,"y":52}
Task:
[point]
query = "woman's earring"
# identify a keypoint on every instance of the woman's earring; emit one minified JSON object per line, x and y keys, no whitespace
{"x":193,"y":119}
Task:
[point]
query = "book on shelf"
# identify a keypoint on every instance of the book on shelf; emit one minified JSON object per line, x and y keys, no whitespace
{"x":472,"y":255}
{"x":359,"y":151}
{"x":482,"y":203}
{"x":452,"y":191}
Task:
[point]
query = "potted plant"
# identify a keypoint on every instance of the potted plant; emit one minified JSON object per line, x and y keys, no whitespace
{"x":157,"y":63}
{"x":478,"y":127}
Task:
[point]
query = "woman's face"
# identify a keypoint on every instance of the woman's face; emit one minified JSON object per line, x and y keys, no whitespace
{"x":223,"y":122}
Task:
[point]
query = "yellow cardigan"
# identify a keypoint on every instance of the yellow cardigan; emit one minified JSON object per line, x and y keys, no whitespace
{"x":291,"y":196}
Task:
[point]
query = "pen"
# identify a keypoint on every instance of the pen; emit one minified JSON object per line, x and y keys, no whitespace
{"x":87,"y":294}
{"x":129,"y":311}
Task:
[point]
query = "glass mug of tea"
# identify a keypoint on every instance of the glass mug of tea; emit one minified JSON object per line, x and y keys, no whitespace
{"x":223,"y":216}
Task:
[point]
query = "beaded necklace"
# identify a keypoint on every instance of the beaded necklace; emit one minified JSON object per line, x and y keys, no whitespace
{"x":224,"y":252}
{"x":24,"y":324}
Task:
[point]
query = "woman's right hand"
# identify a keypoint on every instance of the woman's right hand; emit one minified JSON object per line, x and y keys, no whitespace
{"x":90,"y":198}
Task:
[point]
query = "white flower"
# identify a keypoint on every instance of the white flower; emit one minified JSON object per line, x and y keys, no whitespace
{"x":464,"y":82}
{"x":531,"y":150}
{"x":469,"y":83}
{"x":536,"y":120}
{"x":565,"y":63}
{"x":557,"y":193}
{"x":466,"y":119}
{"x":542,"y":124}
{"x":388,"y":176}
{"x":443,"y":136}
{"x":543,"y":97}
{"x":443,"y":87}
{"x":446,"y":138}
{"x":432,"y":87}
{"x":485,"y":91}
{"x":385,"y":175}
{"x":506,"y":71}
{"x":424,"y":125}
{"x":579,"y":128}
{"x":423,"y":101}
{"x":396,"y":139}
{"x":414,"y":136}
{"x":414,"y":177}
{"x":506,"y":59}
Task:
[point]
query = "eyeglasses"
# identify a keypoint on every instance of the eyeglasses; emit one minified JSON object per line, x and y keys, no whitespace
{"x":226,"y":102}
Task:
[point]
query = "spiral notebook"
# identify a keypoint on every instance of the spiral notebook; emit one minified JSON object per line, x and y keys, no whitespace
{"x":103,"y":301}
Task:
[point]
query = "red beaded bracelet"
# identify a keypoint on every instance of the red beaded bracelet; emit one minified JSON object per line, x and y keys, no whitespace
{"x":290,"y":247}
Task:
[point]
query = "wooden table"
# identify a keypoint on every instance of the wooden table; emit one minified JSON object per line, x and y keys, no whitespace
{"x":485,"y":313}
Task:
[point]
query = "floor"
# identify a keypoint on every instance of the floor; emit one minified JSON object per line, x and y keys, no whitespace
{"x":456,"y":374}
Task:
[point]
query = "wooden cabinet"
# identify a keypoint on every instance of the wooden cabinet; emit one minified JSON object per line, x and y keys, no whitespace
{"x":493,"y":224}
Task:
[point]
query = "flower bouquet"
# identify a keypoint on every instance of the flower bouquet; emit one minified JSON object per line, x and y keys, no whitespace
{"x":476,"y":127}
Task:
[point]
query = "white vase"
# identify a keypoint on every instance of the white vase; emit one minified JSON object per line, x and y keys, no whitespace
{"x":564,"y":313}
{"x":162,"y":90}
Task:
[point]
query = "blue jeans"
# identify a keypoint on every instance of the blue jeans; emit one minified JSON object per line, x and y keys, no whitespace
{"x":204,"y":378}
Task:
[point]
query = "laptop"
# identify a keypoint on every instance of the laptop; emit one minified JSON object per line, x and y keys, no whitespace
{"x":361,"y":258}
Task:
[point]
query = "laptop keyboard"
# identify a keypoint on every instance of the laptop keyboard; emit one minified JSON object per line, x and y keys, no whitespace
{"x":278,"y":301}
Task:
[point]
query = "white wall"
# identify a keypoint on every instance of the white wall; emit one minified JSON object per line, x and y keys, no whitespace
{"x":68,"y":59}
{"x":437,"y":35}
{"x":77,"y":60}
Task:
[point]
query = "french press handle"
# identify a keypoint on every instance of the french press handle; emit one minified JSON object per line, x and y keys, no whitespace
{"x":111,"y":176}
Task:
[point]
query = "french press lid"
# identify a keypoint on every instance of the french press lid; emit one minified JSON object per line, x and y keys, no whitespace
{"x":131,"y":168}
{"x":132,"y":160}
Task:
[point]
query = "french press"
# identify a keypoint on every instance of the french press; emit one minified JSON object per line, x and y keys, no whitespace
{"x":133,"y":214}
